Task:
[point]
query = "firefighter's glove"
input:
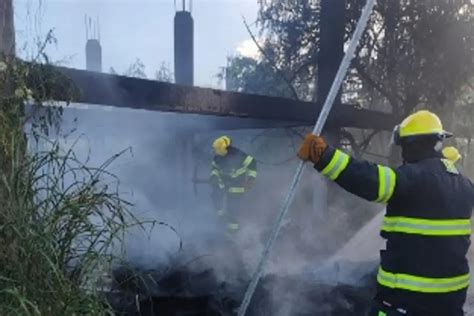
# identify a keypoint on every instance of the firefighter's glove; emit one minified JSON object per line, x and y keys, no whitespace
{"x":312,"y":148}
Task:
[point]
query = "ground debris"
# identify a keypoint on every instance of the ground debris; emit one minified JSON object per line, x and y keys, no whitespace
{"x":180,"y":292}
{"x":185,"y":292}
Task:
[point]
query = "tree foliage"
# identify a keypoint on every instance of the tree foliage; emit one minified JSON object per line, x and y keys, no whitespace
{"x":245,"y":74}
{"x":418,"y":52}
{"x":291,"y":31}
{"x":138,"y":70}
{"x":164,"y":73}
{"x":413,"y":52}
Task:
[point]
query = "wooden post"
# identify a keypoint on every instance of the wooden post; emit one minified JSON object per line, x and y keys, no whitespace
{"x":7,"y":28}
{"x":332,"y":22}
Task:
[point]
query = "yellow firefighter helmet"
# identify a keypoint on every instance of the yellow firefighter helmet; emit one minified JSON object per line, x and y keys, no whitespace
{"x":420,"y":123}
{"x":451,"y":153}
{"x":221,"y":144}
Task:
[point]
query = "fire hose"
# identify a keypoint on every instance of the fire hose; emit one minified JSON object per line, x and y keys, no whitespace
{"x":341,"y":73}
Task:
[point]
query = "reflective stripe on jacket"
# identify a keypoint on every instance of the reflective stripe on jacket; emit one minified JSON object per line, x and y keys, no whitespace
{"x":233,"y":170}
{"x":427,"y":225}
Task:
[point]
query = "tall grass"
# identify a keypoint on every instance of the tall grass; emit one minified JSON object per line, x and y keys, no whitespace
{"x":59,"y":219}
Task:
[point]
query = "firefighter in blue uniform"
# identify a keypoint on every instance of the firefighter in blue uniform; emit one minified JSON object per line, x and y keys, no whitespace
{"x":233,"y":173}
{"x":423,"y":270}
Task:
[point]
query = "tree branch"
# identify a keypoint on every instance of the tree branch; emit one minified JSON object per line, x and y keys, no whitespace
{"x":278,"y":70}
{"x":376,"y":85}
{"x":363,"y":146}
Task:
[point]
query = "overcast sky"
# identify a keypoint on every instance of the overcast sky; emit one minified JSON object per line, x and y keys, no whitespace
{"x":131,"y":29}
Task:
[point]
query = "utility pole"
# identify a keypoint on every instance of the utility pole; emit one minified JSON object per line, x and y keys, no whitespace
{"x":7,"y":28}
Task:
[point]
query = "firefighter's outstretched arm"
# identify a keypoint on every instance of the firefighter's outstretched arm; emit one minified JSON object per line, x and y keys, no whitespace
{"x":370,"y":181}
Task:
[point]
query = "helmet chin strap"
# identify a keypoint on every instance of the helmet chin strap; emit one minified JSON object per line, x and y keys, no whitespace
{"x":395,"y":139}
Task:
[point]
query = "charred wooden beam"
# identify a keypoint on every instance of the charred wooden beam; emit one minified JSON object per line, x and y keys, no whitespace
{"x":120,"y":91}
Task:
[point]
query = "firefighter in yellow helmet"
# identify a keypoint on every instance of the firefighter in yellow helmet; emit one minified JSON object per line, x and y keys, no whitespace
{"x":423,"y":270}
{"x":451,"y":153}
{"x":233,"y":173}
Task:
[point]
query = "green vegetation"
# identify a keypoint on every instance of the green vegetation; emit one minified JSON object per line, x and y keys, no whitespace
{"x":413,"y":54}
{"x":59,"y":219}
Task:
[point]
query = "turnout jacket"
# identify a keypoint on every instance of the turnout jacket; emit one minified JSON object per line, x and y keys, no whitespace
{"x":427,"y":228}
{"x":232,"y":171}
{"x":230,"y":175}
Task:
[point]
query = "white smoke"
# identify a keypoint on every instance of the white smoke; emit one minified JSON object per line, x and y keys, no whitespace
{"x":166,"y":151}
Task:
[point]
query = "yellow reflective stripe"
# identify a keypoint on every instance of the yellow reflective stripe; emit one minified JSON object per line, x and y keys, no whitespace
{"x":450,"y":167}
{"x":213,"y":163}
{"x":237,"y":190}
{"x":238,"y":172}
{"x":248,"y":160}
{"x":422,"y":284}
{"x":216,"y":173}
{"x":429,"y":227}
{"x":252,"y":173}
{"x":336,"y":166}
{"x":387,"y":180}
{"x":332,"y":163}
{"x":233,"y":226}
{"x":244,"y":169}
{"x":381,"y":313}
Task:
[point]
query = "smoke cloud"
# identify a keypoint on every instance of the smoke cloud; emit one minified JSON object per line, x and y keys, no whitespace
{"x":165,"y":157}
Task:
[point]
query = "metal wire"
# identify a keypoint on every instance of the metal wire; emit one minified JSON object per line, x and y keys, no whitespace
{"x":341,"y":73}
